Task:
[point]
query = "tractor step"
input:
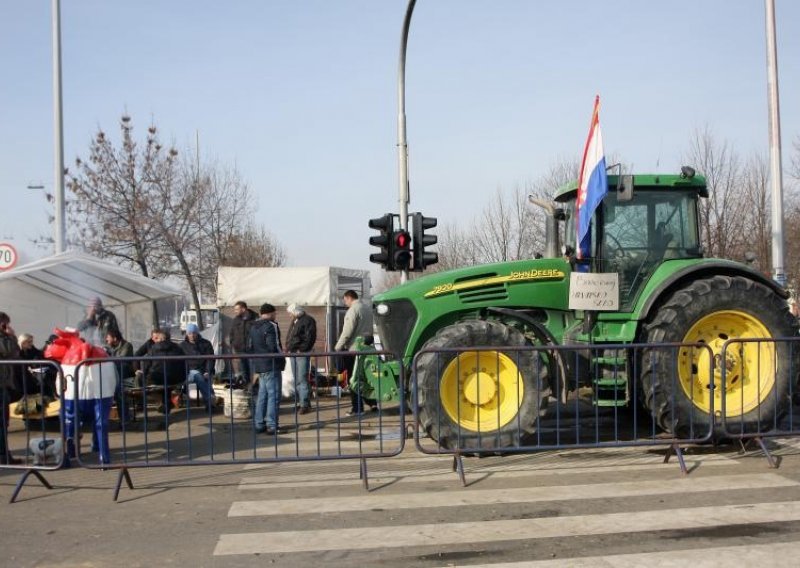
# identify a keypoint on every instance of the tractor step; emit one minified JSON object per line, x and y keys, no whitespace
{"x":610,"y":379}
{"x":610,"y":403}
{"x":611,"y":383}
{"x":612,"y":361}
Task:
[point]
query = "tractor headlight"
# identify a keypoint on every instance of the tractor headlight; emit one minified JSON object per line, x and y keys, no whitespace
{"x":382,"y":309}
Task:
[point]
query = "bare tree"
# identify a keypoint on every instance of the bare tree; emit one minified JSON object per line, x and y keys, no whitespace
{"x":722,"y":214}
{"x":111,"y":189}
{"x":756,"y":222}
{"x":147,"y":208}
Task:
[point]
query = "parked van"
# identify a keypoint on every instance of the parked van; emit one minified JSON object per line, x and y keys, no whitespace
{"x":210,"y":316}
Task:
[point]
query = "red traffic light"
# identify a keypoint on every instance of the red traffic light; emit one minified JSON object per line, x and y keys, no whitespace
{"x":402,"y":239}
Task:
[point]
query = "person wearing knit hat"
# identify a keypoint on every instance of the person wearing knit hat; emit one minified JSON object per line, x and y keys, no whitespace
{"x":265,"y":340}
{"x":98,"y":322}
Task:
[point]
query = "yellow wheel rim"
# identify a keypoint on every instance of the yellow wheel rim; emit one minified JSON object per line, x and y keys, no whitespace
{"x":750,"y":367}
{"x":481,"y":391}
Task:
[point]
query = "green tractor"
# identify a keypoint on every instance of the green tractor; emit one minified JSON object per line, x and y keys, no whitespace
{"x":646,"y":232}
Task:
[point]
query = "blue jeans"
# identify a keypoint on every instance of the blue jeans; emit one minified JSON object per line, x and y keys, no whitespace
{"x":269,"y":397}
{"x":197,"y":378}
{"x":300,"y":372}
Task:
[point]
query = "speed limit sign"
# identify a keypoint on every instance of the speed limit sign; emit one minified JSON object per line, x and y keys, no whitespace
{"x":8,"y":256}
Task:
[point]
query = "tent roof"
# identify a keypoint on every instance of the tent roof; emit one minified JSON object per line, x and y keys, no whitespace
{"x":76,"y":277}
{"x":307,"y":285}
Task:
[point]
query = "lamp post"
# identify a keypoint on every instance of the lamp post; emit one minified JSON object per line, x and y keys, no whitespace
{"x":402,"y":142}
{"x":58,"y":125}
{"x":775,"y":173}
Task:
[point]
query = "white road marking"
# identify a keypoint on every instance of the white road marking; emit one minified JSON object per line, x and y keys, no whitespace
{"x":745,"y":556}
{"x":441,"y":534}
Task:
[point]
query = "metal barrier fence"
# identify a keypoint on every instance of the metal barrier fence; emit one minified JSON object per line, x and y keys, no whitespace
{"x":759,"y":380}
{"x":479,"y":401}
{"x":175,"y":410}
{"x":31,"y":428}
{"x":502,"y":400}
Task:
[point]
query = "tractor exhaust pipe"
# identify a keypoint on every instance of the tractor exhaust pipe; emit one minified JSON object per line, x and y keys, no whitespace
{"x":552,"y":246}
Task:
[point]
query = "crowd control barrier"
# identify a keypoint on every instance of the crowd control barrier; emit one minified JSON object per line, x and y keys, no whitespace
{"x":522,"y":399}
{"x":759,"y":394}
{"x":201,"y":410}
{"x":31,"y":427}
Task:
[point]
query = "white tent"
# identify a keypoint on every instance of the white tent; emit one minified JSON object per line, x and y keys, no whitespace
{"x":54,"y":291}
{"x":308,"y":286}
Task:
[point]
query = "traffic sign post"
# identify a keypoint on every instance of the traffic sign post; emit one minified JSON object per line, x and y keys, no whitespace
{"x":8,"y":256}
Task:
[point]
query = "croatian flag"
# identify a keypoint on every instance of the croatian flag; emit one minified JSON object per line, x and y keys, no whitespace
{"x":592,"y":183}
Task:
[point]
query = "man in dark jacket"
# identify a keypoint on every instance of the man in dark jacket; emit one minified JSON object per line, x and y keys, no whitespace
{"x":9,"y":349}
{"x":199,"y":371}
{"x":300,"y":339}
{"x":116,"y":346}
{"x":243,"y":320}
{"x":99,"y":321}
{"x":265,"y":339}
{"x":157,"y":371}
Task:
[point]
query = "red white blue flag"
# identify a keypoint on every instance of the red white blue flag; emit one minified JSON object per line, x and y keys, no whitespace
{"x":592,"y":183}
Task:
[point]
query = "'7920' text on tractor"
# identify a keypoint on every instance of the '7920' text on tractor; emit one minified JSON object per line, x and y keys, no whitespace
{"x":646,"y":231}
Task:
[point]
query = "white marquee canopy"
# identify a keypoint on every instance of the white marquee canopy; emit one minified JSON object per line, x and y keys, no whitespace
{"x":54,"y":292}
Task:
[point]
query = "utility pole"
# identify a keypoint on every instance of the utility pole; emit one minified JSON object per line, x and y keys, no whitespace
{"x":402,"y":142}
{"x":775,"y":168}
{"x":58,"y":125}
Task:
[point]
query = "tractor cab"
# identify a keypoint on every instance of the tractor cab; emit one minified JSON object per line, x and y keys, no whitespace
{"x":643,"y":221}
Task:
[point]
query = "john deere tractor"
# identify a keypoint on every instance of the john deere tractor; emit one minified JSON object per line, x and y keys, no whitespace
{"x":646,"y":232}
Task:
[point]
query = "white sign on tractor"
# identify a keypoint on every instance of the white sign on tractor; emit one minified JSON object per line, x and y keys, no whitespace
{"x":8,"y":256}
{"x":594,"y":291}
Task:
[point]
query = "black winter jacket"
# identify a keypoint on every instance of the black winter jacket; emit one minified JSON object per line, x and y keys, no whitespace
{"x":265,"y":338}
{"x":163,"y":373}
{"x":302,"y":335}
{"x":200,"y":347}
{"x":240,"y":330}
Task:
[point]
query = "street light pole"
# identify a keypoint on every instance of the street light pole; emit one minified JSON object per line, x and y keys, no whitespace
{"x":58,"y":125}
{"x":775,"y":168}
{"x":402,"y":142}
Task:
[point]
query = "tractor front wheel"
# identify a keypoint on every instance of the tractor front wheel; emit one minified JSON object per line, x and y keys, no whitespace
{"x":479,"y":398}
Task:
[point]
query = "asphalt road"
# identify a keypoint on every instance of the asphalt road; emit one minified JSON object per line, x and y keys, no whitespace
{"x":578,"y":507}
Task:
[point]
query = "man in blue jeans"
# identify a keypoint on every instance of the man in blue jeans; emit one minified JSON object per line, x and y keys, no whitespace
{"x":300,"y":340}
{"x":265,"y":339}
{"x":199,"y":371}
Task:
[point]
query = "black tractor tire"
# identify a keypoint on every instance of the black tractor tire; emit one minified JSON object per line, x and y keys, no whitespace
{"x":436,"y":421}
{"x":665,"y":398}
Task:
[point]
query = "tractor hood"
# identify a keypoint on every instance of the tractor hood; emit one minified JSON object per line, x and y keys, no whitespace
{"x":407,"y":315}
{"x":490,"y":283}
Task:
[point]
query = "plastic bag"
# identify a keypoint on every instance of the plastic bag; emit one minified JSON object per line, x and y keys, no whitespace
{"x":287,"y":386}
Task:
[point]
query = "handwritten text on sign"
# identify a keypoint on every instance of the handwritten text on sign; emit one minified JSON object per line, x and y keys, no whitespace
{"x":589,"y":291}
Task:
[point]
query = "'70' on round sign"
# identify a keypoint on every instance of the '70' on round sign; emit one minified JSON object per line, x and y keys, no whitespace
{"x":8,"y":256}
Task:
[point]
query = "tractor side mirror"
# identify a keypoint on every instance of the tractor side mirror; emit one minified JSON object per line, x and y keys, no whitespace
{"x":625,"y":188}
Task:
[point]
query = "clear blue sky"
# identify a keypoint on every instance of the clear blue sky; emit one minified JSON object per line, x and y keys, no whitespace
{"x":301,"y":96}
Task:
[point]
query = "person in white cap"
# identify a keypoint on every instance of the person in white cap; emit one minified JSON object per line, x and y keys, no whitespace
{"x":300,"y":339}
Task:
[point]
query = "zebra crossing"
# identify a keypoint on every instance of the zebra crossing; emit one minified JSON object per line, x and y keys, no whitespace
{"x":515,"y":511}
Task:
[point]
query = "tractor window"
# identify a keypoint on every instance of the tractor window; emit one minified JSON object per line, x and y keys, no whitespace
{"x":640,"y":234}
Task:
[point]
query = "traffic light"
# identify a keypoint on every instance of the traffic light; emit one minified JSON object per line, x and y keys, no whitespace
{"x":421,"y":240}
{"x":384,"y":241}
{"x":402,"y":250}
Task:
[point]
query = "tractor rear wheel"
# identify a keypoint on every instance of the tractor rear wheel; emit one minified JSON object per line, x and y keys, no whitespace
{"x":681,"y":391}
{"x":482,"y":398}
